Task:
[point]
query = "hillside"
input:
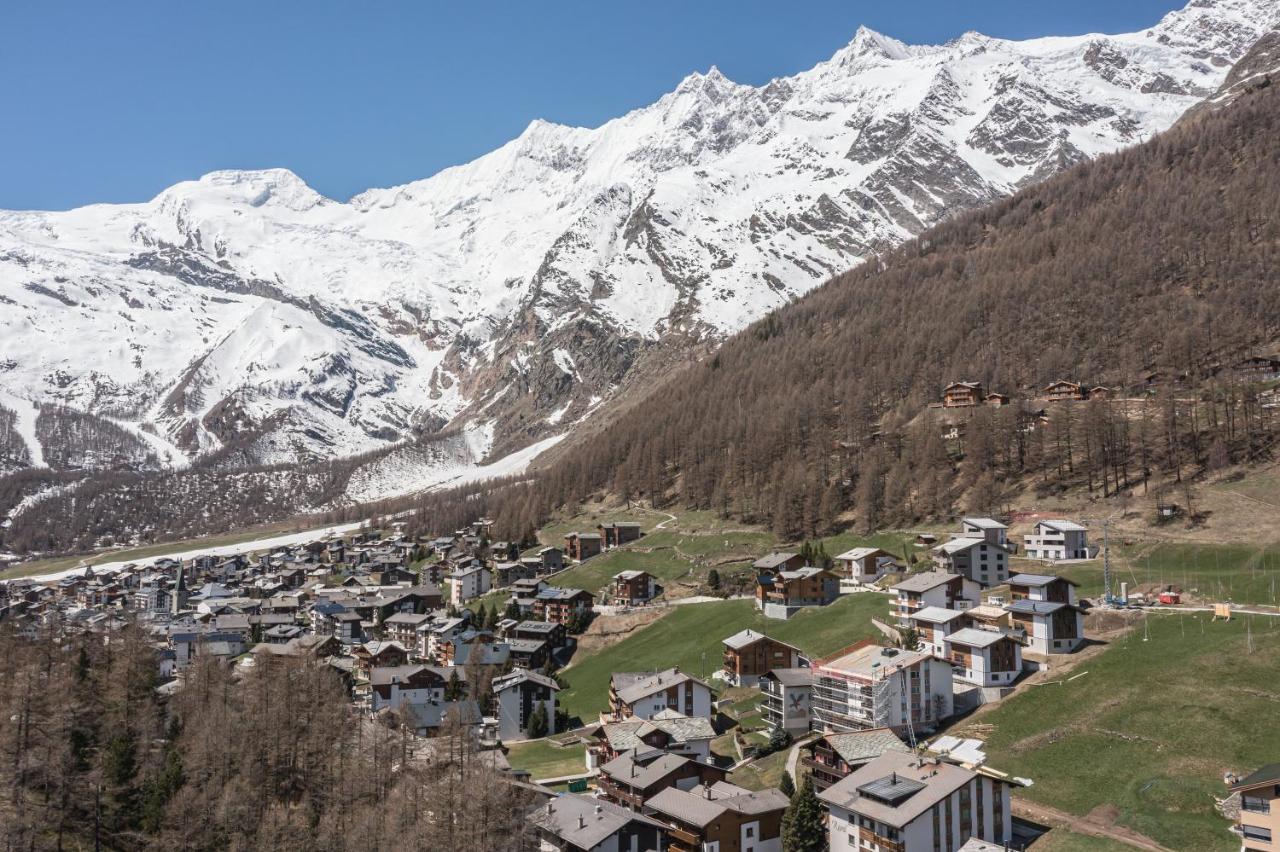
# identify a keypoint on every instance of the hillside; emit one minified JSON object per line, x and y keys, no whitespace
{"x":1150,"y":272}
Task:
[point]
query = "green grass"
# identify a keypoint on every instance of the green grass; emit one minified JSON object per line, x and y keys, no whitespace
{"x":690,"y":637}
{"x":1151,"y":727}
{"x":544,"y":760}
{"x":762,"y":773}
{"x":594,"y":574}
{"x":1217,"y":572}
{"x":721,"y":546}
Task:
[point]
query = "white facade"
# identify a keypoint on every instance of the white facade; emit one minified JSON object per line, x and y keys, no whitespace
{"x":987,"y":529}
{"x":984,"y":658}
{"x":655,"y":702}
{"x":918,"y":834}
{"x":1057,"y":540}
{"x":469,"y":584}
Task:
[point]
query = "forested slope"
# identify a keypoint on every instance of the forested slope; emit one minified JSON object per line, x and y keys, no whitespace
{"x":1159,"y":260}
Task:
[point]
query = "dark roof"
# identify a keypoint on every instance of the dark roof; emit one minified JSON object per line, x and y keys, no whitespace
{"x":1269,"y":774}
{"x":891,"y":788}
{"x":1031,"y":607}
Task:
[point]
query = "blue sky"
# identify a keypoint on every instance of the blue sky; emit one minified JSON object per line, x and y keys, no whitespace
{"x":113,"y":101}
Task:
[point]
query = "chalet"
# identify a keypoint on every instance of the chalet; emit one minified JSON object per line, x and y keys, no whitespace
{"x":528,"y":587}
{"x":1064,"y":391}
{"x":720,"y":816}
{"x":407,"y":629}
{"x":781,"y":594}
{"x":1057,"y":539}
{"x":896,"y":802}
{"x":977,"y":559}
{"x":645,"y":694}
{"x":580,"y":546}
{"x":962,"y":395}
{"x":373,"y":655}
{"x":393,"y":686}
{"x":1100,"y":392}
{"x":633,"y":588}
{"x":788,"y":699}
{"x":348,"y":627}
{"x":634,"y":777}
{"x":865,"y":565}
{"x":933,"y":588}
{"x":561,"y":605}
{"x":551,"y":632}
{"x":583,"y":823}
{"x":1049,"y":627}
{"x":516,"y":695}
{"x":529,"y":653}
{"x":1045,"y":609}
{"x":506,"y":573}
{"x":833,"y":757}
{"x":748,"y":655}
{"x":934,"y":624}
{"x":1042,"y":587}
{"x":984,"y":658}
{"x":988,"y":529}
{"x":996,"y":400}
{"x":552,"y":559}
{"x":618,"y":533}
{"x":1260,"y":367}
{"x":669,"y":731}
{"x":778,"y":562}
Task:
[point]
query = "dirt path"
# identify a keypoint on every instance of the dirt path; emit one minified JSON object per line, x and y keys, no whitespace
{"x":1100,"y":822}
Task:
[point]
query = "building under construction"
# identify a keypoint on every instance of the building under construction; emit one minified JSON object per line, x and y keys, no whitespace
{"x":870,"y":686}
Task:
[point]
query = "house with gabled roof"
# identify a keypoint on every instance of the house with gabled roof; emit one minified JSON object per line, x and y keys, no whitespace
{"x":720,"y":816}
{"x":899,"y":801}
{"x":583,"y":823}
{"x":1058,"y":539}
{"x":645,"y":694}
{"x":834,"y":756}
{"x":750,"y":654}
{"x":865,"y":565}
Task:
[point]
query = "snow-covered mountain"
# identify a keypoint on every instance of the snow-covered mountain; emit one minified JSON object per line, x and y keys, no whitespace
{"x":514,"y":293}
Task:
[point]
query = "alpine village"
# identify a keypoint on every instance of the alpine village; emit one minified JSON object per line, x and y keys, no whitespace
{"x":973,"y":546}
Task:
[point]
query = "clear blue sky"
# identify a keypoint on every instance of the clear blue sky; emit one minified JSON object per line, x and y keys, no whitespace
{"x":113,"y":101}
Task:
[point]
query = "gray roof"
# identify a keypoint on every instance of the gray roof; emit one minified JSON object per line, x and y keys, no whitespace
{"x":773,"y":560}
{"x":1035,"y":580}
{"x":745,"y":638}
{"x":625,"y":769}
{"x":791,"y":677}
{"x":1063,"y":525}
{"x":600,"y":820}
{"x":936,"y":614}
{"x":862,"y":746}
{"x":984,"y":523}
{"x":975,"y":638}
{"x":518,"y":676}
{"x":1030,"y":607}
{"x":633,"y":686}
{"x":936,"y":780}
{"x":704,"y":804}
{"x":925,"y":581}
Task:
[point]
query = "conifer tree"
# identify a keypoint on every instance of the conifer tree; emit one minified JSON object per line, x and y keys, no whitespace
{"x":803,"y":828}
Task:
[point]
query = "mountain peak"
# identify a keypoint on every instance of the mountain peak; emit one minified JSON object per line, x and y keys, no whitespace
{"x":277,"y":187}
{"x":869,"y":44}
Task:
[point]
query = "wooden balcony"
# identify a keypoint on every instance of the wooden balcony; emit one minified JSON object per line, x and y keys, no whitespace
{"x":886,"y":845}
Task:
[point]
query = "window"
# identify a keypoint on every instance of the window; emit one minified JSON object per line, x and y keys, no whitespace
{"x":751,"y":831}
{"x":1255,"y":804}
{"x":1252,"y":832}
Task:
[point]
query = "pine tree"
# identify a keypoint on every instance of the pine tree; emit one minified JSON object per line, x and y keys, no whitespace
{"x":454,"y":689}
{"x":537,"y":724}
{"x":713,"y":579}
{"x":803,"y":828}
{"x":513,"y":610}
{"x":786,"y":785}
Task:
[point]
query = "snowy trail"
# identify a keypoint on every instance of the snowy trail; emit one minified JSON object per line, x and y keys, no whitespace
{"x":26,"y":424}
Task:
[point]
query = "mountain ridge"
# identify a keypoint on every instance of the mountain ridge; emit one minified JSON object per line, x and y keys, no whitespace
{"x":511,"y":295}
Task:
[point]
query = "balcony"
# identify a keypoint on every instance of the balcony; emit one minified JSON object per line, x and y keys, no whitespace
{"x":683,"y":839}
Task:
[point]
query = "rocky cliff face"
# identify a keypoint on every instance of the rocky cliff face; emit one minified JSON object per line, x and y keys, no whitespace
{"x":512,"y":295}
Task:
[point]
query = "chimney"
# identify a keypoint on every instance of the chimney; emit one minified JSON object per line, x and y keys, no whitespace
{"x":706,"y":789}
{"x":582,"y":821}
{"x":599,"y":809}
{"x":550,"y":808}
